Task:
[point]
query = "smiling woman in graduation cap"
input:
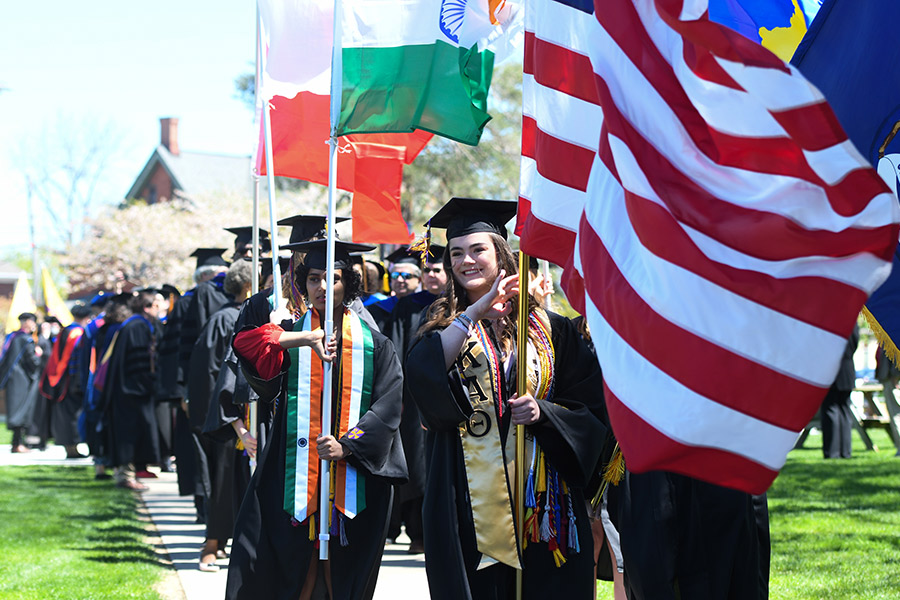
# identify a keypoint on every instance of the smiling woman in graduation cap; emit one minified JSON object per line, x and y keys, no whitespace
{"x":462,"y":373}
{"x":274,"y":553}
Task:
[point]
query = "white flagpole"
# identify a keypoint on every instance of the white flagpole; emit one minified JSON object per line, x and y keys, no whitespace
{"x":270,"y":171}
{"x":252,"y":414}
{"x":336,"y":86}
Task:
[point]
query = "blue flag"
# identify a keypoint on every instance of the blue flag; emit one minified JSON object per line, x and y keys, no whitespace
{"x":778,"y":25}
{"x":851,"y":53}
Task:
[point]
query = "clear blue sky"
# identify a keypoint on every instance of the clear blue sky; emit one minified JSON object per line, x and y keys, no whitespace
{"x":126,"y":62}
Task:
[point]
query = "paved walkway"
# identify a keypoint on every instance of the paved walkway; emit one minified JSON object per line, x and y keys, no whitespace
{"x":402,"y":576}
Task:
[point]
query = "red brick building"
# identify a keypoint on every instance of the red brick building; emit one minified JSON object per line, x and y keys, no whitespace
{"x":171,"y":173}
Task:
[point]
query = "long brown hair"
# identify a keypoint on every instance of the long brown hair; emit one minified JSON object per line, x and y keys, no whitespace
{"x":456,"y":300}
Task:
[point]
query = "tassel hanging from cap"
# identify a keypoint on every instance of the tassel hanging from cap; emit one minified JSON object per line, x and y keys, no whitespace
{"x":615,"y":469}
{"x":422,"y":245}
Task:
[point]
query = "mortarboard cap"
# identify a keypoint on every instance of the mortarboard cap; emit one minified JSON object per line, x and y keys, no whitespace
{"x":401,"y":256}
{"x":284,"y":263}
{"x":316,"y":253}
{"x":359,"y":258}
{"x":244,"y":238}
{"x":462,"y":216}
{"x":80,"y":310}
{"x":100,"y":299}
{"x":168,"y":289}
{"x":306,"y":227}
{"x":209,"y":257}
{"x":435,"y":253}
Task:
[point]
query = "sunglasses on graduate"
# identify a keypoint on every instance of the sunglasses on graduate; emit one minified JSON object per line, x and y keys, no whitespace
{"x":403,"y":276}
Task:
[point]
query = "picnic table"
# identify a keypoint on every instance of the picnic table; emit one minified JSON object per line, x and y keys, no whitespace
{"x":871,"y":408}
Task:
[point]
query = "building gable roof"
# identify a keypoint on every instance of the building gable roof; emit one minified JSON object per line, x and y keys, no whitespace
{"x":196,"y":172}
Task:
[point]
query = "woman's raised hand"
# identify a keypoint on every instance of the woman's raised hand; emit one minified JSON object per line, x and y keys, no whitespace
{"x":496,"y":303}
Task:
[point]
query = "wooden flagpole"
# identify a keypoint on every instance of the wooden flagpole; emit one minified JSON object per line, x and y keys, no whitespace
{"x":522,"y":389}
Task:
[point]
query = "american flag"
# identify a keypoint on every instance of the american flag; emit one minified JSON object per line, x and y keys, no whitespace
{"x":715,"y":225}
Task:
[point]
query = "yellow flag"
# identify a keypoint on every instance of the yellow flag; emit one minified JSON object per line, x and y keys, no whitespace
{"x":53,"y":301}
{"x":22,"y":302}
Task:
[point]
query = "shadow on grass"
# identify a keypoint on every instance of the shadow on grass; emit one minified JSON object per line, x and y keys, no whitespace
{"x":813,"y":484}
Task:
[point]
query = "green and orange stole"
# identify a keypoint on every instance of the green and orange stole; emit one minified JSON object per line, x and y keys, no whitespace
{"x":304,"y":418}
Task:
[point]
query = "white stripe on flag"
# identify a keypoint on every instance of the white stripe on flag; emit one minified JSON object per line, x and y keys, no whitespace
{"x":655,"y":120}
{"x":565,"y":211}
{"x":563,"y":116}
{"x":740,"y":325}
{"x":630,"y":375}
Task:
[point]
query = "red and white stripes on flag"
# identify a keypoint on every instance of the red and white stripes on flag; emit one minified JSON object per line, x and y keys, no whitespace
{"x":716,"y":227}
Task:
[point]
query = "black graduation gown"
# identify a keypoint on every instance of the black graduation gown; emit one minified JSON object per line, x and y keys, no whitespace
{"x":685,"y":538}
{"x":270,"y":553}
{"x":215,"y":460}
{"x":171,"y":388}
{"x":97,"y":410}
{"x":19,"y":370}
{"x":129,"y":394}
{"x":41,"y":405}
{"x":399,"y":319}
{"x":230,"y":397}
{"x":571,"y":432}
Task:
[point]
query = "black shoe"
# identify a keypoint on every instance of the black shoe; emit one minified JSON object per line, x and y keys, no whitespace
{"x":416,"y":547}
{"x":102,"y":476}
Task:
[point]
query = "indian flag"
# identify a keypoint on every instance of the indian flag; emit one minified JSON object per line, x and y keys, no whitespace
{"x":409,"y":69}
{"x":404,"y":68}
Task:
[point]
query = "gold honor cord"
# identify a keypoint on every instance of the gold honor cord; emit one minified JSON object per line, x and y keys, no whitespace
{"x":522,"y":388}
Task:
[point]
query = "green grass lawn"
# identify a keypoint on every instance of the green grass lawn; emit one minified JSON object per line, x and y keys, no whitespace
{"x":835,"y":525}
{"x":65,"y":536}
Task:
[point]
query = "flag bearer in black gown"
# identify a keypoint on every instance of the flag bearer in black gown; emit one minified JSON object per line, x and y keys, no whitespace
{"x":275,"y":554}
{"x":462,"y":374}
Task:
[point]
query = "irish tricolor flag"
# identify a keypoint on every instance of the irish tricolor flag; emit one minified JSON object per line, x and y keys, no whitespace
{"x":404,"y":76}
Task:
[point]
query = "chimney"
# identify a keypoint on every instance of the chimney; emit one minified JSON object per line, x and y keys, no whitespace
{"x":168,"y":136}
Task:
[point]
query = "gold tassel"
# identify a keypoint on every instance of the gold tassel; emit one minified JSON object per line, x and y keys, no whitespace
{"x":422,"y":245}
{"x":884,"y":340}
{"x":612,"y":473}
{"x":541,"y":483}
{"x":558,"y":557}
{"x":615,"y":469}
{"x":312,"y":528}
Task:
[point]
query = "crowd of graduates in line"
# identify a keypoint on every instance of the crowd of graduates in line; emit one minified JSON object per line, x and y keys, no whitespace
{"x":424,"y":404}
